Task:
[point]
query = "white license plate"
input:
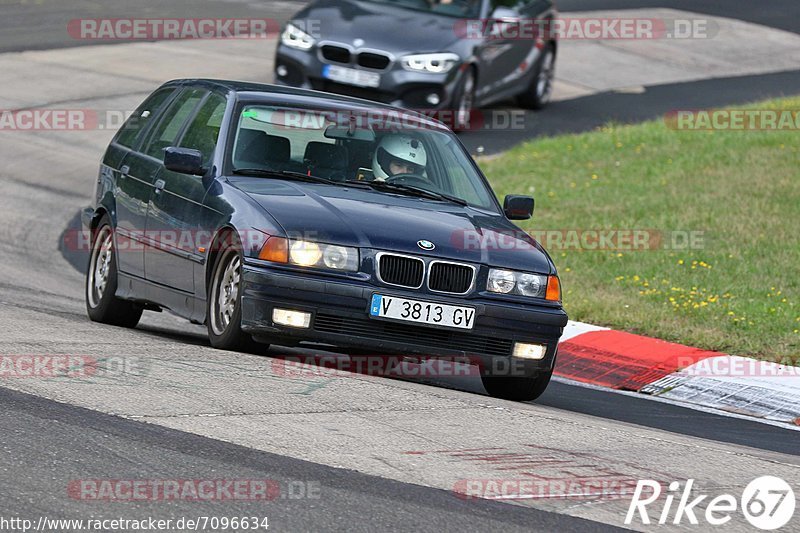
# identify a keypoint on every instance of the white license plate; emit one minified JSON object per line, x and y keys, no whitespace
{"x":351,"y":76}
{"x":451,"y":316}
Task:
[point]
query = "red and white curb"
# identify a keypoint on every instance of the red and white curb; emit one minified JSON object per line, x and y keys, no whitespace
{"x":622,"y":361}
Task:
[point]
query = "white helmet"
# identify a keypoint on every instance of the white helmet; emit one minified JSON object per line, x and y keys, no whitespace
{"x":398,"y":147}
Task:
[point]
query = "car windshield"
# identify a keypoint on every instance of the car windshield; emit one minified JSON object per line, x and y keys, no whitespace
{"x":450,"y":8}
{"x":390,"y":151}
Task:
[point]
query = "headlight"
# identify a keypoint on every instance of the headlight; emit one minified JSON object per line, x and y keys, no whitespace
{"x":433,"y":63}
{"x":296,"y":38}
{"x":502,"y":281}
{"x":523,"y":284}
{"x":334,"y":257}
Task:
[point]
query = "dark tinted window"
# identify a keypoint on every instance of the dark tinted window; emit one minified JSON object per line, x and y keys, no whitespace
{"x":204,"y":131}
{"x":136,"y":124}
{"x":167,"y":131}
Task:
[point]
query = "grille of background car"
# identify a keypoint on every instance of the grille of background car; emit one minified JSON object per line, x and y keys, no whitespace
{"x":373,"y":60}
{"x":450,"y":277}
{"x":337,"y":54}
{"x":401,"y":270}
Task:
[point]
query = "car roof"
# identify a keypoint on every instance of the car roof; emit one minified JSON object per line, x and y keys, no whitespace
{"x":266,"y":93}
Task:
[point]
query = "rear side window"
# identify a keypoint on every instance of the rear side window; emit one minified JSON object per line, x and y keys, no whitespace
{"x":167,"y":131}
{"x":131,"y":131}
{"x":204,"y":130}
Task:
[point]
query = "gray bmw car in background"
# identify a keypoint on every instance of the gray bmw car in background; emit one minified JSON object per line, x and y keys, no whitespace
{"x":422,"y":54}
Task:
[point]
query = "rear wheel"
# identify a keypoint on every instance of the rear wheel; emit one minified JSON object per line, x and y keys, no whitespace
{"x":520,"y":389}
{"x":224,"y":305}
{"x":101,"y":282}
{"x":538,"y":93}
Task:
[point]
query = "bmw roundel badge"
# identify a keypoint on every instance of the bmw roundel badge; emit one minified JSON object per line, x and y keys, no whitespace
{"x":426,"y":245}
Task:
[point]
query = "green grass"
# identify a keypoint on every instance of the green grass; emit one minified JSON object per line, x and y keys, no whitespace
{"x":739,"y":293}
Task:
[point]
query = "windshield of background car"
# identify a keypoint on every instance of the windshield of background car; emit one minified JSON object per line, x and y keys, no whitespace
{"x":339,"y":146}
{"x":451,"y":8}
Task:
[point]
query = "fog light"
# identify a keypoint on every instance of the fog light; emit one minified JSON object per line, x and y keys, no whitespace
{"x":294,"y":319}
{"x":529,"y":351}
{"x":282,"y":71}
{"x":433,"y":99}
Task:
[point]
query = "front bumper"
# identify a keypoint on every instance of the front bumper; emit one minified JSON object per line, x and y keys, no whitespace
{"x":340,"y":319}
{"x":398,"y":87}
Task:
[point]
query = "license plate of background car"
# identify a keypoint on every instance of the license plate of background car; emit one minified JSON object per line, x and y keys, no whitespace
{"x":351,"y":76}
{"x":451,"y":316}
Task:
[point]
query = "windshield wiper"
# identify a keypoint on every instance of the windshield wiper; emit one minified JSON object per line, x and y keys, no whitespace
{"x":289,"y":174}
{"x":411,"y":190}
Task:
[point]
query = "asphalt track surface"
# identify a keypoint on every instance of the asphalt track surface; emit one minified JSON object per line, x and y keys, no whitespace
{"x":46,"y":443}
{"x":97,"y":446}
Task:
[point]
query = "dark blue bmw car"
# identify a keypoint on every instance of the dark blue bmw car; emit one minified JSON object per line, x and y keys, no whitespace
{"x":292,"y":217}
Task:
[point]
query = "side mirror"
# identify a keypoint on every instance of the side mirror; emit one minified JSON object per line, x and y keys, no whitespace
{"x":505,"y":14}
{"x":518,"y":207}
{"x":502,"y":19}
{"x":184,"y":160}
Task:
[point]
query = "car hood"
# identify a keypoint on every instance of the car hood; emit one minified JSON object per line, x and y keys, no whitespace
{"x":344,"y":21}
{"x":380,"y":221}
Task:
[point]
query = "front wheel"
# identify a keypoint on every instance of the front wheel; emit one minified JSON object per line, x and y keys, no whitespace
{"x":464,"y":101}
{"x":101,"y":282}
{"x":224,"y":306}
{"x":538,"y":92}
{"x":519,"y":389}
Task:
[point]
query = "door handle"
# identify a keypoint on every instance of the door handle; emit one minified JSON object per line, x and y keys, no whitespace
{"x":159,"y":186}
{"x":124,"y":170}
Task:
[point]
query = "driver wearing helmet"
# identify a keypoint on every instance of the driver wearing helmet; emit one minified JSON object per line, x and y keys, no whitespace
{"x":398,"y":154}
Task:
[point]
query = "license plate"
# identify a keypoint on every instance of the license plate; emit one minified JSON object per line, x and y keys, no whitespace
{"x":351,"y":76}
{"x":451,"y":316}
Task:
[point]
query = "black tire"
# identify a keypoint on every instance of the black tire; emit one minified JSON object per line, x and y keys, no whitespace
{"x":538,"y":93}
{"x":224,"y":317}
{"x":101,"y":282}
{"x":464,"y":101}
{"x":518,"y":389}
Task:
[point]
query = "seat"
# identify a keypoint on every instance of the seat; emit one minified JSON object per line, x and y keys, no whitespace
{"x":326,"y":160}
{"x":258,"y":149}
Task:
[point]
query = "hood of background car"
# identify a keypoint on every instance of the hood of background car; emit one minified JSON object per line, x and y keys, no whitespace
{"x":388,"y":222}
{"x":344,"y":21}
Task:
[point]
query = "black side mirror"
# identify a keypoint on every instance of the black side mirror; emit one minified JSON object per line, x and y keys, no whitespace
{"x":184,"y":160}
{"x":518,"y":207}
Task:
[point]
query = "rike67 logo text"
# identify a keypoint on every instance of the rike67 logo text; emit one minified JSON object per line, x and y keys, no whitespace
{"x":767,"y":502}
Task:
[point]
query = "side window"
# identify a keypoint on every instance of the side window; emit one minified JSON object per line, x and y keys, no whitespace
{"x":204,"y":130}
{"x":136,"y":123}
{"x":166,"y":133}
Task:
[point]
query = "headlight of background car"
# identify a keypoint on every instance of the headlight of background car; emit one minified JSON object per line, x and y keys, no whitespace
{"x":524,"y":284}
{"x":296,"y":38}
{"x":332,"y":256}
{"x":433,"y":63}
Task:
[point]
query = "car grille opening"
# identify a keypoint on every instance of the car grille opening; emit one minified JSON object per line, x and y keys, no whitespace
{"x":401,"y":270}
{"x":373,"y":61}
{"x":470,"y":343}
{"x":449,"y":277}
{"x":337,"y":54}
